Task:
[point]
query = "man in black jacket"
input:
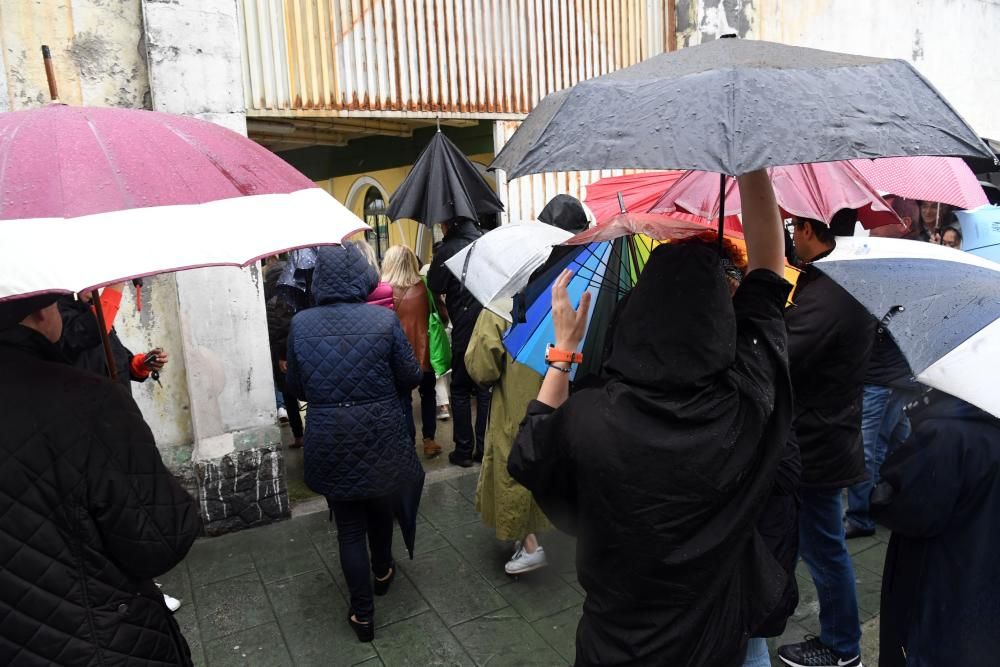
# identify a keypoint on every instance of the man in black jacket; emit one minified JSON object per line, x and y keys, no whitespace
{"x":829,"y":340}
{"x":463,"y":310}
{"x":940,"y":496}
{"x":88,"y":512}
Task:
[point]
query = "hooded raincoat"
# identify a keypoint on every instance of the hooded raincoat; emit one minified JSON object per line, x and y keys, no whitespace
{"x":940,"y":496}
{"x":663,"y":470}
{"x":502,"y":503}
{"x":352,"y":363}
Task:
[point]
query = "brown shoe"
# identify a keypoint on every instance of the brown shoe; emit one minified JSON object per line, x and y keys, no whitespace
{"x":297,"y":444}
{"x":431,"y":448}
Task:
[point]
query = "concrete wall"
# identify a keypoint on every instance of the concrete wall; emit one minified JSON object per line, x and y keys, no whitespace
{"x":214,"y":415}
{"x":951,"y":42}
{"x":100,"y":60}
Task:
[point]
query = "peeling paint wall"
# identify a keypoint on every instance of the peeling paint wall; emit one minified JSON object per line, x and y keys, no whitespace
{"x":95,"y":48}
{"x":951,"y":42}
{"x":99,"y":60}
{"x":704,"y":20}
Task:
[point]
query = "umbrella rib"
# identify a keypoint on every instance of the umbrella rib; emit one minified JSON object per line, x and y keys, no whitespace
{"x":128,"y":199}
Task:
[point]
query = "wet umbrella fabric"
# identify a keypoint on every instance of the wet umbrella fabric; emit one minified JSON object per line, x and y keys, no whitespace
{"x":443,"y":185}
{"x":638,"y":193}
{"x":815,"y":191}
{"x":759,"y":104}
{"x":91,"y":196}
{"x":941,"y":305}
{"x":946,"y":180}
{"x":497,"y":265}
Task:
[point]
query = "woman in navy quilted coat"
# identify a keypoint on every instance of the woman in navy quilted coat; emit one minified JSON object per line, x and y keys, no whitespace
{"x":352,"y":362}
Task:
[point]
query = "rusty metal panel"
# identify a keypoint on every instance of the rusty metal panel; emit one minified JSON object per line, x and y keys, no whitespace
{"x":525,"y":197}
{"x":420,"y":58}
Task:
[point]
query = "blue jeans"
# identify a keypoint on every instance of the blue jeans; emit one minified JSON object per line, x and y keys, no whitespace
{"x":884,"y":426}
{"x":824,"y":550}
{"x":757,"y":655}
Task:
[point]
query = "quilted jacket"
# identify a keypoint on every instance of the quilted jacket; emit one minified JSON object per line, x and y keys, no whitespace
{"x":352,"y":362}
{"x":88,"y":516}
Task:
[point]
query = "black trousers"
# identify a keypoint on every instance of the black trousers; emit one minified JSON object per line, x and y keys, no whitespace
{"x":463,"y":389}
{"x":428,"y":407}
{"x":356,"y":521}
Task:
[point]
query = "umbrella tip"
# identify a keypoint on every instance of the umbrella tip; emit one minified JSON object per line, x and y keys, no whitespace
{"x":731,"y":34}
{"x":439,"y":123}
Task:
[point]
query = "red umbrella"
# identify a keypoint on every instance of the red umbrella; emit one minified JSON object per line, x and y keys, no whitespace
{"x":947,"y":180}
{"x":814,"y":191}
{"x":639,"y":192}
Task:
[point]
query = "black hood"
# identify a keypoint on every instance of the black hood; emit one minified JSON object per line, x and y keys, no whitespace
{"x":342,"y":275}
{"x":678,"y":328}
{"x":565,"y":212}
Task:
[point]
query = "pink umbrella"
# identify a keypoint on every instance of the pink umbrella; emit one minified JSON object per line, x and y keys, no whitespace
{"x":814,"y":191}
{"x":947,"y":180}
{"x":92,"y":196}
{"x":639,"y":192}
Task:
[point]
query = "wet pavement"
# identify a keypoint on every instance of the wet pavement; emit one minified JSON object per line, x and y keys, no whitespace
{"x":276,"y":596}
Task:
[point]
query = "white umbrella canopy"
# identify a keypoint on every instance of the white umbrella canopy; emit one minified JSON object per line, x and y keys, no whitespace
{"x":93,"y":196}
{"x":79,"y":254}
{"x":498,"y":265}
{"x":941,"y":305}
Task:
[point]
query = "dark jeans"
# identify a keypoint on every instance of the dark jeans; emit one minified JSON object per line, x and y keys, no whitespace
{"x":884,"y":426}
{"x":355,"y":520}
{"x":462,"y":391}
{"x":294,"y":416}
{"x":824,"y":551}
{"x":428,"y":407}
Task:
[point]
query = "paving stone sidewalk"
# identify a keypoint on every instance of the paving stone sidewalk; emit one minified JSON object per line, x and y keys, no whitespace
{"x":276,"y":596}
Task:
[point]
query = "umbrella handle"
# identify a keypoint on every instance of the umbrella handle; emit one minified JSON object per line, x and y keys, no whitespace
{"x":50,"y":73}
{"x":95,"y":298}
{"x":722,"y":210}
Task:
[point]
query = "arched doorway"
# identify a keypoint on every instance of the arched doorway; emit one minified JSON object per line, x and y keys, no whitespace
{"x":375,"y":217}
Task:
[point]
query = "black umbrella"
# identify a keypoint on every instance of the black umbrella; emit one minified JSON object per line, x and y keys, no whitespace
{"x":732,"y":106}
{"x":405,"y":506}
{"x":405,"y":503}
{"x":443,"y":185}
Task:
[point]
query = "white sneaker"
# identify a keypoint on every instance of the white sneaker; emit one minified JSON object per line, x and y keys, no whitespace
{"x":282,"y":415}
{"x":173,"y":604}
{"x":522,"y":561}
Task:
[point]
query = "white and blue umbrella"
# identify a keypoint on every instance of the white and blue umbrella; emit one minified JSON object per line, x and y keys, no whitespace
{"x":942,"y":306}
{"x":981,"y":231}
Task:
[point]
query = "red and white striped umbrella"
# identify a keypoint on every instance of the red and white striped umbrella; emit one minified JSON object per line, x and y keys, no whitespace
{"x":946,"y":180}
{"x":92,"y":196}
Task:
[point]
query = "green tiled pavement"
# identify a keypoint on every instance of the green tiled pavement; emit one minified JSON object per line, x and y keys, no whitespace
{"x":276,"y":596}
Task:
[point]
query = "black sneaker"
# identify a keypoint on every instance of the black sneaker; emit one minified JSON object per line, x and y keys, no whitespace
{"x":852,"y":531}
{"x":460,"y":460}
{"x":814,"y":653}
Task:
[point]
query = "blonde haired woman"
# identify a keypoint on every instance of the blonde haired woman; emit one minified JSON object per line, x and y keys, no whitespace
{"x":401,"y":270}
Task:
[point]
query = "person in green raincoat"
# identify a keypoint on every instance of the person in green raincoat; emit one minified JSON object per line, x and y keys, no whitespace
{"x":503,"y":504}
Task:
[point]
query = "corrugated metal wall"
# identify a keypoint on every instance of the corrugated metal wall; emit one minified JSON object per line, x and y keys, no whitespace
{"x":474,"y":58}
{"x":525,"y":197}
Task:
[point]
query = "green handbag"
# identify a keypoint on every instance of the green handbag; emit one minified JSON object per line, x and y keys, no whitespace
{"x":437,"y":338}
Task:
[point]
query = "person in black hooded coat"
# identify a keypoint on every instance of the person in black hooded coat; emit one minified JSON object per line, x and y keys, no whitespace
{"x":940,"y":496}
{"x":663,"y":471}
{"x":88,"y":512}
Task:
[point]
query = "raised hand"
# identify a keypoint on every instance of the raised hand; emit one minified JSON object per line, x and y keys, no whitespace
{"x":570,"y":324}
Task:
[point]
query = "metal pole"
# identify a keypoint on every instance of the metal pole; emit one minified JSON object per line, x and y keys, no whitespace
{"x":722,"y":208}
{"x":95,"y":298}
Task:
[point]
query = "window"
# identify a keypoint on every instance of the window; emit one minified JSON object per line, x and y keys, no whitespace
{"x":376,"y":218}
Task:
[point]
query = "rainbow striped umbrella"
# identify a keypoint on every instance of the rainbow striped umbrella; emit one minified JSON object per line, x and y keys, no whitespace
{"x":606,"y":269}
{"x":607,"y":264}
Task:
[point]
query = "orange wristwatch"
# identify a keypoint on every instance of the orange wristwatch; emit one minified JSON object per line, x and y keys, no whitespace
{"x":554,"y":355}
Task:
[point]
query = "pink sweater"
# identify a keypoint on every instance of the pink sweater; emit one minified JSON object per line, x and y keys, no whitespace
{"x":381,"y":296}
